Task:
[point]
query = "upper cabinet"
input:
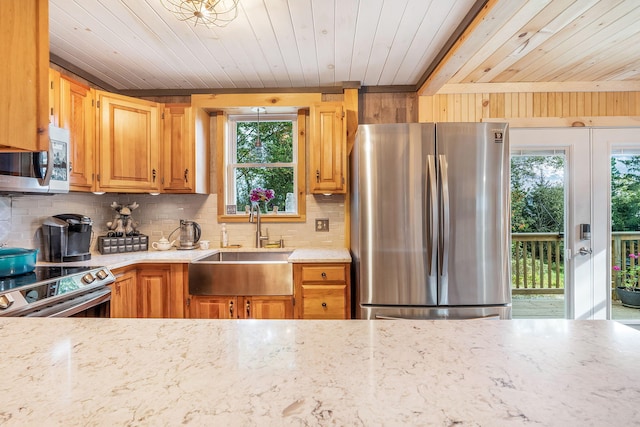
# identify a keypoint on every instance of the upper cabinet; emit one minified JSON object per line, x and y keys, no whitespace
{"x":327,"y":151}
{"x":185,"y":161}
{"x":128,"y":144}
{"x":24,"y":44}
{"x":76,"y":114}
{"x":178,"y":171}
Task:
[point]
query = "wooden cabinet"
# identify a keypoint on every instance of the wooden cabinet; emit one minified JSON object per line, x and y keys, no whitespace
{"x":128,"y":144}
{"x":178,"y":171}
{"x":322,"y":291}
{"x":124,"y":300}
{"x":150,"y":291}
{"x":54,"y":97}
{"x":327,"y":152}
{"x":76,"y":114}
{"x":213,"y":307}
{"x":161,"y":290}
{"x":24,"y":76}
{"x":242,"y":307}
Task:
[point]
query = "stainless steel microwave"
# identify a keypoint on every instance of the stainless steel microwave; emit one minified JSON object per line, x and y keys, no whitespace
{"x":39,"y":172}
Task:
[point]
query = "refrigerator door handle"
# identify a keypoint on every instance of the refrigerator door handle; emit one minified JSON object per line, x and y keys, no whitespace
{"x":433,"y":217}
{"x":443,"y":294}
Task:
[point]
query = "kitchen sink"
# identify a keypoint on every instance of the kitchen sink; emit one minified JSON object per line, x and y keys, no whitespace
{"x":254,"y":256}
{"x":242,"y":273}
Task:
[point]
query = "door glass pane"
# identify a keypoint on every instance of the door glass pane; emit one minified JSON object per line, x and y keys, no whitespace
{"x":625,"y":235}
{"x":537,"y":234}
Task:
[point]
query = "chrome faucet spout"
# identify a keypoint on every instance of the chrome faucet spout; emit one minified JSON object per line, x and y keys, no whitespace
{"x":255,"y":217}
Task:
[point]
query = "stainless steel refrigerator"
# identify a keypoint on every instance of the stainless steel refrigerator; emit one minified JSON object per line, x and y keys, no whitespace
{"x":430,"y":221}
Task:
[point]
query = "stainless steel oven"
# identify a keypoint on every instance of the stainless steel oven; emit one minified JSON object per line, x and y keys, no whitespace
{"x":57,"y":291}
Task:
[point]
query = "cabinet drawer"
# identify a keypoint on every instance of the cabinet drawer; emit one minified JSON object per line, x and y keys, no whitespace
{"x":324,"y":273}
{"x":324,"y":301}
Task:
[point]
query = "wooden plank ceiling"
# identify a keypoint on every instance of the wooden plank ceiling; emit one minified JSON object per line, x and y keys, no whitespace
{"x":138,"y":44}
{"x":280,"y":44}
{"x":561,"y":44}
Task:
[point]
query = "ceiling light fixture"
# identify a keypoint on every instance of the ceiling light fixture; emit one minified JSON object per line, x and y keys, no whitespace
{"x":204,"y":12}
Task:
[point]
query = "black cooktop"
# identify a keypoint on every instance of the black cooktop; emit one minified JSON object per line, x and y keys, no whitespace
{"x":40,"y":274}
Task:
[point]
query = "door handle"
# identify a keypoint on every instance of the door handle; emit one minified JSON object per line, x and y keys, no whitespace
{"x":585,"y":251}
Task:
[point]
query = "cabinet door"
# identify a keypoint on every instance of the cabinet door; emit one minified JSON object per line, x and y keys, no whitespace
{"x":124,"y":301}
{"x":24,"y":75}
{"x":128,"y":144}
{"x":178,"y":171}
{"x":327,"y":154}
{"x":267,"y":307}
{"x":324,"y":301}
{"x":213,"y":307}
{"x":76,"y":115}
{"x":154,"y":283}
{"x":54,"y":97}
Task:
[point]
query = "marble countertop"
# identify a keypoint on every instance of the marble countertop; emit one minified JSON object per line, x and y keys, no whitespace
{"x":206,"y":372}
{"x":309,"y":255}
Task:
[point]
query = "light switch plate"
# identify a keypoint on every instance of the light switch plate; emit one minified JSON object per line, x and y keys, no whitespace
{"x":322,"y":224}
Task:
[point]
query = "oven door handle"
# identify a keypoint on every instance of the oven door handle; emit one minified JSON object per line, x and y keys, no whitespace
{"x":74,"y":306}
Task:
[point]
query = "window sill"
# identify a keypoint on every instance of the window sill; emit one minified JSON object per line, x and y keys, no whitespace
{"x":263,"y":218}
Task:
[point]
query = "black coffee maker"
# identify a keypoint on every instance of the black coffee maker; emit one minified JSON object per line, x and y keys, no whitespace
{"x":67,"y":237}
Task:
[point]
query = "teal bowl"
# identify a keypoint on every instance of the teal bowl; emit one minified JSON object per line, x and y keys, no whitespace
{"x":14,"y":261}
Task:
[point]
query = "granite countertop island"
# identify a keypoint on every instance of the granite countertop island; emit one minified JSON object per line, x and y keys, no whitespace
{"x":204,"y":372}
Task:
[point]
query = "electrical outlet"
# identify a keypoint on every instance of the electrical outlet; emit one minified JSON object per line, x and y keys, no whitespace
{"x":322,"y":224}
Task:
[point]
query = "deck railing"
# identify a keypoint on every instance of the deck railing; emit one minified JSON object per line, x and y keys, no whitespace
{"x":537,"y":260}
{"x":537,"y":263}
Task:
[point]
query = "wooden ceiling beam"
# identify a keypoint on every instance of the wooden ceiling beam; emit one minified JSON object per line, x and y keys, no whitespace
{"x":486,"y":23}
{"x":525,"y":87}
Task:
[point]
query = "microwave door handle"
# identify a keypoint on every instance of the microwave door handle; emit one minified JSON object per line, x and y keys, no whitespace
{"x":37,"y":166}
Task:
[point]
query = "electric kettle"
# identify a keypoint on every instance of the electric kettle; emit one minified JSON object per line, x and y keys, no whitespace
{"x":189,"y":234}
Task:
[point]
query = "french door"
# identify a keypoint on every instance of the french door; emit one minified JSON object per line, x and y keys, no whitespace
{"x":572,"y":146}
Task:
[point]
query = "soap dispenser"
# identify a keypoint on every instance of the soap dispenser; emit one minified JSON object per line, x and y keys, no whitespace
{"x":224,"y":237}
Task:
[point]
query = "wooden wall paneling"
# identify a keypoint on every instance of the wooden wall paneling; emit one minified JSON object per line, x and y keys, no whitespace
{"x":475,"y":107}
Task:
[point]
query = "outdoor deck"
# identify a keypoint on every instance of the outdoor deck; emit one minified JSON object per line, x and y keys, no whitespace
{"x":538,"y":274}
{"x":552,"y":307}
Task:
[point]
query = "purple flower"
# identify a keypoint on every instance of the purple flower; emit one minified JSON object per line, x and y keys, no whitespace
{"x":634,"y":256}
{"x":616,"y":268}
{"x":259,"y":194}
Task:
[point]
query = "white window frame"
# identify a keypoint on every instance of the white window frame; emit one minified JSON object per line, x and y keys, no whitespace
{"x":231,"y":158}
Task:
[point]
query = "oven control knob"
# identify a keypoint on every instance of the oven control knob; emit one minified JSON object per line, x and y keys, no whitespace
{"x":6,"y":301}
{"x":102,"y":274}
{"x":88,"y":278}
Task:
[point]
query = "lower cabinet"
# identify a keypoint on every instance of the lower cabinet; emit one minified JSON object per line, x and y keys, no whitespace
{"x":150,"y":291}
{"x":241,"y":307}
{"x":124,"y":299}
{"x":323,"y":291}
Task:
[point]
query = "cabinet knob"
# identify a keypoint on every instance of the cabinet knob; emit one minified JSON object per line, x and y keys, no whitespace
{"x":153,"y":175}
{"x":324,"y":305}
{"x":324,"y":275}
{"x":248,"y":309}
{"x":318,"y":175}
{"x":231,"y":309}
{"x":186,"y":175}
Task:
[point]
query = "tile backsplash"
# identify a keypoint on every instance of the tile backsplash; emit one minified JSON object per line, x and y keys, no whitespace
{"x":157,"y":216}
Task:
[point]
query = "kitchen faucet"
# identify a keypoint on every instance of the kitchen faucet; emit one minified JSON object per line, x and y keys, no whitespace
{"x":259,"y":237}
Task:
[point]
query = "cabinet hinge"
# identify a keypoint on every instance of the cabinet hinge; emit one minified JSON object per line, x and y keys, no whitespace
{"x":97,"y":104}
{"x":188,"y":302}
{"x":98,"y":177}
{"x":52,"y":85}
{"x":162,"y":115}
{"x":93,"y":102}
{"x":343,"y":114}
{"x":293,"y":300}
